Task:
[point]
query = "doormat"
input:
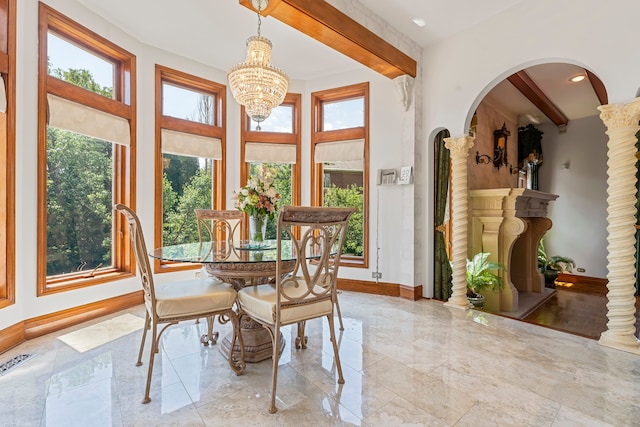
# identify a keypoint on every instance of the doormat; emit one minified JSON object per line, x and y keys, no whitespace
{"x":14,"y":362}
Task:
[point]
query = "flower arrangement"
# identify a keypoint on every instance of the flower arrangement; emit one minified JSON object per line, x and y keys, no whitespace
{"x":258,"y":197}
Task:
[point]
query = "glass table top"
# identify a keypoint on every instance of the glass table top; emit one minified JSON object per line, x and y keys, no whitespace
{"x":238,"y":252}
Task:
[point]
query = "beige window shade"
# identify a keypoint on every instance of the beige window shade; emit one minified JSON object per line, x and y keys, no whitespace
{"x":3,"y":96}
{"x":74,"y":117}
{"x":188,"y":144}
{"x":340,"y":151}
{"x":260,"y":152}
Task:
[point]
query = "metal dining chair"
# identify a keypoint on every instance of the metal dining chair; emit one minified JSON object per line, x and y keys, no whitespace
{"x":169,"y":303}
{"x":308,"y":292}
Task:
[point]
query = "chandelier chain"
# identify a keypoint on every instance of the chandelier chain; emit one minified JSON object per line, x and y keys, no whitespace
{"x":259,"y":17}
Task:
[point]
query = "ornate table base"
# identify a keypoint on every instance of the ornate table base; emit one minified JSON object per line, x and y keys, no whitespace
{"x":257,"y":341}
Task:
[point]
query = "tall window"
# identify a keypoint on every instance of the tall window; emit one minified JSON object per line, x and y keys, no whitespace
{"x":276,"y":146}
{"x":86,"y":146}
{"x":7,"y":150}
{"x":190,"y":133}
{"x":340,"y":151}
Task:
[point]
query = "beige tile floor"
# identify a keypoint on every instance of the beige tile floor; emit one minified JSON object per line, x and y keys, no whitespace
{"x":405,"y":363}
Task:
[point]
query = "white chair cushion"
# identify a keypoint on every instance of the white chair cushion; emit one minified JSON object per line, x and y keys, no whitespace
{"x":193,"y":297}
{"x":259,"y":302}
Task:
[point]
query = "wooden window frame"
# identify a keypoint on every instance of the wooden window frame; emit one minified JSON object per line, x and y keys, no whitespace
{"x":293,"y":138}
{"x":7,"y":153}
{"x":319,"y":136}
{"x":122,"y":105}
{"x":216,"y":130}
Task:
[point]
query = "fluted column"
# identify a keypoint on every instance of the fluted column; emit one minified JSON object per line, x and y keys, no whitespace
{"x":459,"y":148}
{"x":622,"y":124}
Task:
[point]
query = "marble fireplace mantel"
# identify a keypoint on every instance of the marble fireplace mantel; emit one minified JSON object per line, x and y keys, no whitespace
{"x":509,"y":223}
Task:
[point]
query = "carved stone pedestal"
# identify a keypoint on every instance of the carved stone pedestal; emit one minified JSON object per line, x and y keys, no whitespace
{"x":508,"y":223}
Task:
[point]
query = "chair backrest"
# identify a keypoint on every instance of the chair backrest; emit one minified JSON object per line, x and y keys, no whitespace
{"x":140,"y":253}
{"x":318,"y":250}
{"x":220,"y":225}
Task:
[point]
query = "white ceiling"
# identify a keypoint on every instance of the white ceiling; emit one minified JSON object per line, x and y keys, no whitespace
{"x":214,"y":32}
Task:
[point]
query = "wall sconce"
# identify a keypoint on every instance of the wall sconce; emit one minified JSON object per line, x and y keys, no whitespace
{"x":499,"y":149}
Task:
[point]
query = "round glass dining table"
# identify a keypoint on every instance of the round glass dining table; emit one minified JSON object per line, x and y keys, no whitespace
{"x":239,"y":264}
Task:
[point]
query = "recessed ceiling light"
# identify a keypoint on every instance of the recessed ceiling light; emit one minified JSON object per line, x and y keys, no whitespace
{"x":419,"y":22}
{"x":578,"y":78}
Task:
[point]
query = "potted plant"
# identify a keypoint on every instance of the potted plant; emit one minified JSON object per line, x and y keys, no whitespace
{"x":550,"y":266}
{"x":481,"y":278}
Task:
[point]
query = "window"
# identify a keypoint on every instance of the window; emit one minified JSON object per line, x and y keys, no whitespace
{"x":86,"y":153}
{"x":340,"y":151}
{"x":7,"y":151}
{"x":190,"y":134}
{"x":276,"y":146}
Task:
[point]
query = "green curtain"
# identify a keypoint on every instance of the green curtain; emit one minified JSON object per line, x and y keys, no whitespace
{"x":442,"y":267}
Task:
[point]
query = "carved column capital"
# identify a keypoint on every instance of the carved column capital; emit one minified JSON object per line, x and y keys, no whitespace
{"x":459,"y":146}
{"x":616,"y":116}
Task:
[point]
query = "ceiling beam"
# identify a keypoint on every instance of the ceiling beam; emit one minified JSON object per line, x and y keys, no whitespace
{"x":323,"y":22}
{"x":598,"y":88}
{"x":530,"y":89}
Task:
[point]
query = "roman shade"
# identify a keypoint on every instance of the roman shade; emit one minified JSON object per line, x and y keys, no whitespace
{"x":188,"y":144}
{"x":339,"y":151}
{"x":78,"y":118}
{"x":3,"y":96}
{"x":260,"y":152}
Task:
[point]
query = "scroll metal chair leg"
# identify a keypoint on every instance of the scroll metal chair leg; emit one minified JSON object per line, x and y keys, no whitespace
{"x":237,"y":363}
{"x":152,"y":354}
{"x":335,"y":348}
{"x":211,"y":337}
{"x":147,"y":321}
{"x":339,"y":315}
{"x":301,"y":339}
{"x":275,"y":338}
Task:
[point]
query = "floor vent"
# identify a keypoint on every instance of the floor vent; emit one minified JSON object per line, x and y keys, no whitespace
{"x":14,"y":362}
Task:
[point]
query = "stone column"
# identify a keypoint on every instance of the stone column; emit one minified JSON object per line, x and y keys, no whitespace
{"x":622,"y":124}
{"x":459,"y":148}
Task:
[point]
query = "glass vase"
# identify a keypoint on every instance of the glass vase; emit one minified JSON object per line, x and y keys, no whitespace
{"x":257,"y":230}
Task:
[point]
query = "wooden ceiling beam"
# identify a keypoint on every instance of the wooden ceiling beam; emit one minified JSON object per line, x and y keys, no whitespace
{"x":530,"y":89}
{"x":598,"y":88}
{"x":323,"y":22}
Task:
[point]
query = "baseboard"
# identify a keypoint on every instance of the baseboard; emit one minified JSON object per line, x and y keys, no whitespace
{"x":42,"y":325}
{"x":413,"y":294}
{"x":574,"y":278}
{"x":11,"y":336}
{"x":381,"y":288}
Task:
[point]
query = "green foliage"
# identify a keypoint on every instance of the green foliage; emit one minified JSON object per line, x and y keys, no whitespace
{"x":180,"y":225}
{"x":79,"y":198}
{"x":179,"y":170}
{"x":480,"y":276}
{"x":82,"y":78}
{"x":351,"y":196}
{"x":554,"y":262}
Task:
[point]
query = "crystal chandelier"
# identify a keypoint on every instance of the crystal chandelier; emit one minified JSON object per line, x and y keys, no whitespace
{"x":255,"y":83}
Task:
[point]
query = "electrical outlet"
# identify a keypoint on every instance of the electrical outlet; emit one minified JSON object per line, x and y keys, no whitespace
{"x":376,"y":275}
{"x":581,"y":270}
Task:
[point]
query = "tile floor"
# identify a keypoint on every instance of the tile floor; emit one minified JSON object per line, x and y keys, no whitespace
{"x":405,"y":363}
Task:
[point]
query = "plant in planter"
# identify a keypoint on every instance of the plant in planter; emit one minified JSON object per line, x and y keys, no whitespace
{"x":481,"y":278}
{"x":550,"y":266}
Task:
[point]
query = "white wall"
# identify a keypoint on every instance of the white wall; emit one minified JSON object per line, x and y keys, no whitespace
{"x":388,"y":128}
{"x":458,"y":72}
{"x":579,"y":214}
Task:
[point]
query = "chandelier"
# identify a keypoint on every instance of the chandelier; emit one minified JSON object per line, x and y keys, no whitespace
{"x":255,"y":83}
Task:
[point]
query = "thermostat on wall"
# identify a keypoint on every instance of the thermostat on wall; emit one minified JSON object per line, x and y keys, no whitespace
{"x":406,"y":175}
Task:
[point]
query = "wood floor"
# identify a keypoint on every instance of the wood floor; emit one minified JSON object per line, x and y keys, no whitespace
{"x":577,"y":308}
